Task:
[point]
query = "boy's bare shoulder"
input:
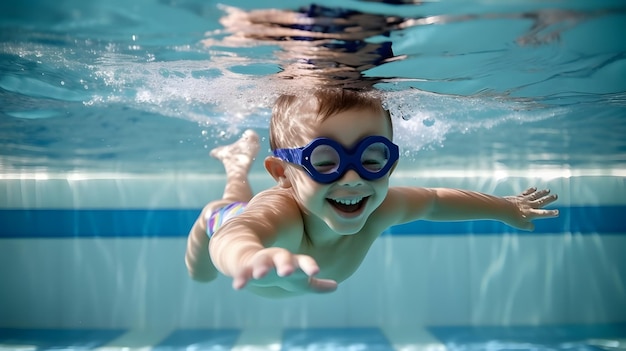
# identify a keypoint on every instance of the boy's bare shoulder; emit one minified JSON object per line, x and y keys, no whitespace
{"x":274,"y":202}
{"x":278,"y":206}
{"x":274,"y":196}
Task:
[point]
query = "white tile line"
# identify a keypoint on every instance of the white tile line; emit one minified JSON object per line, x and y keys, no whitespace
{"x":548,"y":173}
{"x":137,"y":340}
{"x":405,"y":338}
{"x":259,"y":339}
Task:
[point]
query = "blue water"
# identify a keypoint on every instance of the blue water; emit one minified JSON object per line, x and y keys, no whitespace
{"x":150,"y":86}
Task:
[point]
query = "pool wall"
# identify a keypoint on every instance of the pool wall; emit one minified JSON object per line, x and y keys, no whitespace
{"x":107,"y":252}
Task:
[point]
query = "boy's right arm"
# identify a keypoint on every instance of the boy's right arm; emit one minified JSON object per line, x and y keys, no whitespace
{"x":264,"y":240}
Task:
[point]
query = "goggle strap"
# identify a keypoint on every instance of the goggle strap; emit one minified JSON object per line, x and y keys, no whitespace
{"x":289,"y":155}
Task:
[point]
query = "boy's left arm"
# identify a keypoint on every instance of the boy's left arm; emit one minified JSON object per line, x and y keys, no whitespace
{"x":442,"y":204}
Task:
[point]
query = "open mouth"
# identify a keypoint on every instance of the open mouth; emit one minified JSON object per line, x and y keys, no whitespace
{"x":348,"y":206}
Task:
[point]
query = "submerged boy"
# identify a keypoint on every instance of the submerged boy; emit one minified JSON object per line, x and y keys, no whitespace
{"x":332,"y":158}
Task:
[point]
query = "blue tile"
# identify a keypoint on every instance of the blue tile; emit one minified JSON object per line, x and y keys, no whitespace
{"x":47,"y":339}
{"x":199,"y":339}
{"x":563,"y":337}
{"x":114,"y":223}
{"x":312,"y":339}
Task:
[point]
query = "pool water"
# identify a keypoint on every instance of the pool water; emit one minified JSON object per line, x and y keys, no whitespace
{"x":108,"y":110}
{"x":150,"y":86}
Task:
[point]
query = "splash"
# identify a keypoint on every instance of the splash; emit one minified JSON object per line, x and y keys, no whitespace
{"x":224,"y":103}
{"x":200,"y":91}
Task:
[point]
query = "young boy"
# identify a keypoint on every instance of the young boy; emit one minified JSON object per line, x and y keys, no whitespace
{"x":332,"y":158}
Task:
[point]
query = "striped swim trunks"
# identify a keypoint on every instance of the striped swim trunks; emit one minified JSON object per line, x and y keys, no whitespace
{"x":221,"y":215}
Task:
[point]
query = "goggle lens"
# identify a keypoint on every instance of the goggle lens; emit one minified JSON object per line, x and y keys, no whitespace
{"x":375,"y":157}
{"x":325,"y":159}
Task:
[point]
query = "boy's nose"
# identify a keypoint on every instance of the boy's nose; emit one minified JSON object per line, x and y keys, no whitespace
{"x":350,"y":178}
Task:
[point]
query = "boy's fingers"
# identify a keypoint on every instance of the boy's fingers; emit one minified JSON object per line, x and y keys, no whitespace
{"x":284,"y":263}
{"x":545,"y":200}
{"x":261,"y":269}
{"x":239,"y":283}
{"x":322,"y":285}
{"x":529,"y":191}
{"x":545,"y":213}
{"x":307,"y":264}
{"x":241,"y":279}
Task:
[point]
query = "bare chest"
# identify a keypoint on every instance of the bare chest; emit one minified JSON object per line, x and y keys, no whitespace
{"x":341,"y":259}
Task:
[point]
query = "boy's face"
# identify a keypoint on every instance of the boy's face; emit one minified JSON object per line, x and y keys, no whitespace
{"x":345,"y":204}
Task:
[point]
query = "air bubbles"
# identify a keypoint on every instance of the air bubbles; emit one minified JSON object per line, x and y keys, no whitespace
{"x":424,"y":120}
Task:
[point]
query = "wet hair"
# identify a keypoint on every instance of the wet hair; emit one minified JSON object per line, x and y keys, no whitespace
{"x":289,"y":110}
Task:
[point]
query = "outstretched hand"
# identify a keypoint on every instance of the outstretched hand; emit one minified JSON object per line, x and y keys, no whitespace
{"x":277,"y":266}
{"x":531,"y":205}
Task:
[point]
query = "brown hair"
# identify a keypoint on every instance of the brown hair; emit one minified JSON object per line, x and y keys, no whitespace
{"x":289,"y":110}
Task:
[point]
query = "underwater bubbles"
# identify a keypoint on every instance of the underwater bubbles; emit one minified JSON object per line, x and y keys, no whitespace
{"x":424,"y":120}
{"x":215,"y":98}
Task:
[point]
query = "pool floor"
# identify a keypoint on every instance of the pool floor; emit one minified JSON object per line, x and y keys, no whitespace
{"x":441,"y":338}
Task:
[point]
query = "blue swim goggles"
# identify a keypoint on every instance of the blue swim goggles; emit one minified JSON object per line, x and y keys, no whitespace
{"x":326,"y":160}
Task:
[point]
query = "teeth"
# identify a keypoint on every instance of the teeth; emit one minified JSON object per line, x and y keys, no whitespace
{"x":349,"y":201}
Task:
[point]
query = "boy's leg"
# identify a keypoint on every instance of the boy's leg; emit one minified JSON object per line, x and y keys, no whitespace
{"x":237,"y":159}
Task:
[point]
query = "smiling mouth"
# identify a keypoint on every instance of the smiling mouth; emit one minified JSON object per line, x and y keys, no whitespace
{"x":348,"y":205}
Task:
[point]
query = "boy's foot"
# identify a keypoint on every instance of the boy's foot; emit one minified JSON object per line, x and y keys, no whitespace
{"x":239,"y":155}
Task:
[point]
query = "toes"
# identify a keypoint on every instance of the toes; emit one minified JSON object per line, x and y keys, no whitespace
{"x":250,"y":134}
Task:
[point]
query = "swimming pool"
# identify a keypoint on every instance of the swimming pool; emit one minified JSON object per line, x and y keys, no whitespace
{"x":108,"y":111}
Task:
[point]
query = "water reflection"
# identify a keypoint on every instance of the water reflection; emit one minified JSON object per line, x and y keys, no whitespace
{"x":335,"y":46}
{"x":320,"y":45}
